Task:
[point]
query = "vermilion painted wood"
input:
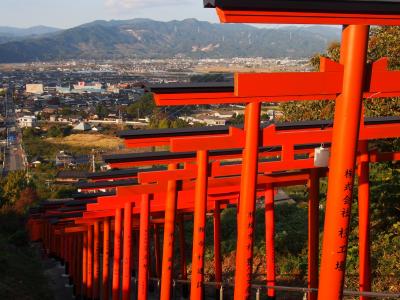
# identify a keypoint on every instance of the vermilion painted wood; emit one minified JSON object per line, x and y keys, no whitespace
{"x":364,"y":219}
{"x":126,"y":252}
{"x":188,"y":162}
{"x":74,"y":229}
{"x":116,"y":281}
{"x":78,"y":265}
{"x":371,"y":132}
{"x":89,"y":278}
{"x":233,"y":16}
{"x":270,"y":239}
{"x":281,"y":87}
{"x":216,"y":185}
{"x":246,"y":207}
{"x":242,"y":87}
{"x":327,"y":83}
{"x":169,"y":237}
{"x":84,"y":264}
{"x":96,"y":260}
{"x":273,"y":137}
{"x":217,"y":244}
{"x":386,"y":156}
{"x":374,"y":158}
{"x":313,"y":232}
{"x":199,"y":227}
{"x":143,"y":269}
{"x":154,"y":208}
{"x":157,"y":247}
{"x":182,"y":247}
{"x":106,"y":259}
{"x":348,"y":112}
{"x":162,"y":161}
{"x":34,"y":227}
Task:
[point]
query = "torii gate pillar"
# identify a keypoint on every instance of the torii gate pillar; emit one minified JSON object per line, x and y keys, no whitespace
{"x":343,"y":158}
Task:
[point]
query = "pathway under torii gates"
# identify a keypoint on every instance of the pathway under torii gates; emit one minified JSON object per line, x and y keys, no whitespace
{"x":200,"y":175}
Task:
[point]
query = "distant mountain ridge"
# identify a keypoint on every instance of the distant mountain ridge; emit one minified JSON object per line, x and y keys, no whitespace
{"x":9,"y":34}
{"x":145,"y":38}
{"x":35,"y":30}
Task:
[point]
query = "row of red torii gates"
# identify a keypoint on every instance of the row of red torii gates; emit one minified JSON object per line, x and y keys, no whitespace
{"x":211,"y":168}
{"x":164,"y":196}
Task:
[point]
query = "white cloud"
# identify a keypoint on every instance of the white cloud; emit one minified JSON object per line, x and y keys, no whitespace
{"x":129,"y":4}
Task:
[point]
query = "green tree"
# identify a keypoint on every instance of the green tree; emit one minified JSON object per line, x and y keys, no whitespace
{"x":332,"y":52}
{"x":30,"y":133}
{"x":55,"y":131}
{"x":13,"y":184}
{"x":102,"y":111}
{"x":236,"y":119}
{"x":384,"y":42}
{"x":384,"y":177}
{"x":159,"y":119}
{"x":58,"y":131}
{"x":142,"y":108}
{"x":179,"y":123}
{"x":66,"y":111}
{"x":27,"y":197}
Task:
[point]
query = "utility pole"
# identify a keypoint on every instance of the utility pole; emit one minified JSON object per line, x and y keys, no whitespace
{"x":93,"y":161}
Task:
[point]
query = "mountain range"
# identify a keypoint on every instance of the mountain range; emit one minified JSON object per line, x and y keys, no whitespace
{"x":145,"y":38}
{"x":8,"y":34}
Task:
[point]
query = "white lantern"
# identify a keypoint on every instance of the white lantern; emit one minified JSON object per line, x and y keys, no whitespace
{"x":321,"y":157}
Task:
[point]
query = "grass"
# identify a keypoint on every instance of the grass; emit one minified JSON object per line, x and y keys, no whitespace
{"x":89,"y":141}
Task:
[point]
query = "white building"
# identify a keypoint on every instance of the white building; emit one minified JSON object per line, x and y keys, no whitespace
{"x":208,"y":121}
{"x":27,"y":122}
{"x":82,"y":87}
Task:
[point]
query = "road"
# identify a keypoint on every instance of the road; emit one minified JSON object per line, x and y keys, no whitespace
{"x":14,"y":159}
{"x":14,"y":155}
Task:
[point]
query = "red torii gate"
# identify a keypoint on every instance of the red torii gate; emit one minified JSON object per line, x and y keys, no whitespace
{"x":109,"y":183}
{"x":350,"y":86}
{"x":370,"y":133}
{"x":386,"y":127}
{"x":107,"y":204}
{"x":61,"y":214}
{"x":284,"y":87}
{"x":152,"y":188}
{"x":126,"y":282}
{"x":91,"y":272}
{"x":184,"y":200}
{"x":373,"y":128}
{"x":106,"y":207}
{"x":115,"y":161}
{"x":347,"y":82}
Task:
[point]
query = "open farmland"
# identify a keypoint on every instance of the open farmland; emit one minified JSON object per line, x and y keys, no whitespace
{"x":89,"y":141}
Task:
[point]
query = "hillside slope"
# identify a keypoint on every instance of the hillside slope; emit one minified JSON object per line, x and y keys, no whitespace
{"x":144,"y":38}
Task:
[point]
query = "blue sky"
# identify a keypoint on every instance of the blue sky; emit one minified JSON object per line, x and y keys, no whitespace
{"x":69,"y":13}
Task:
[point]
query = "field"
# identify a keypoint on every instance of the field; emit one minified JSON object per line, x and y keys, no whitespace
{"x":89,"y":141}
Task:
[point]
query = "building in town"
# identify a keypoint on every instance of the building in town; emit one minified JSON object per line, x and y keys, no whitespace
{"x":27,"y":122}
{"x":34,"y":88}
